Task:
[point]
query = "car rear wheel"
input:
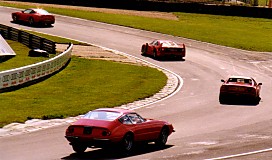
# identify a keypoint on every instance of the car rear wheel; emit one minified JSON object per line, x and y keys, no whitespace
{"x":127,"y":143}
{"x":222,"y":99}
{"x":161,"y":141}
{"x":79,"y":148}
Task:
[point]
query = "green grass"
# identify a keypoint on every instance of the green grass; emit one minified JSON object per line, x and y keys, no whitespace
{"x":238,"y":32}
{"x":21,"y":59}
{"x":82,"y":86}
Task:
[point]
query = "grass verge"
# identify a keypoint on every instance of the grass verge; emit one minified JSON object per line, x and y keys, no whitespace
{"x":239,"y":32}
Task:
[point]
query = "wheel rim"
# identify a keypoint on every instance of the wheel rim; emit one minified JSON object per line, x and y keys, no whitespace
{"x":128,"y":143}
{"x":154,"y":54}
{"x":14,"y":18}
{"x":31,"y":21}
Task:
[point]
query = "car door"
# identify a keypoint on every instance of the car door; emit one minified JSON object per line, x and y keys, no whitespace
{"x":144,"y":129}
{"x":151,"y":47}
{"x":26,"y":14}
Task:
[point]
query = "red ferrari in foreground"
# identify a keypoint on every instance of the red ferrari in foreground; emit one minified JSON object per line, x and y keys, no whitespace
{"x":240,"y":87}
{"x":34,"y":16}
{"x":110,"y":126}
{"x":163,"y":48}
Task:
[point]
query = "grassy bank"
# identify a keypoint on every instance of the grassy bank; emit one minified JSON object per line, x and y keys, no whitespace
{"x":82,"y":86}
{"x":238,"y":32}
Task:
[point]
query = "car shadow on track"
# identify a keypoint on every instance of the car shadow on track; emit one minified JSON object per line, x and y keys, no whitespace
{"x":34,"y":26}
{"x":114,"y":153}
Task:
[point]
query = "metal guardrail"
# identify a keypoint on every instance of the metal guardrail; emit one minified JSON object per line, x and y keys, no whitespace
{"x":30,"y":40}
{"x":22,"y":75}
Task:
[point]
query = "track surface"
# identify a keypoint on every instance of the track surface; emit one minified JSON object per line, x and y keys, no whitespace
{"x":204,"y":128}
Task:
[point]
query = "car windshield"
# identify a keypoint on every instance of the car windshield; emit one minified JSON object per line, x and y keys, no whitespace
{"x":169,"y":43}
{"x":41,"y":11}
{"x":102,"y":115}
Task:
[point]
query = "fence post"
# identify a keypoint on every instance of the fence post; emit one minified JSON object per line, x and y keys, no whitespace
{"x":9,"y":33}
{"x":41,"y":43}
{"x":54,"y":48}
{"x":19,"y":36}
{"x":30,"y":41}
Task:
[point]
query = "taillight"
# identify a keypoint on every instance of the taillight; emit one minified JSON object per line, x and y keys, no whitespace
{"x":106,"y":133}
{"x":70,"y":130}
{"x":223,"y":88}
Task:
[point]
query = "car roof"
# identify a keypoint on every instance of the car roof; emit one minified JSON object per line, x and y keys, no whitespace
{"x":120,"y":110}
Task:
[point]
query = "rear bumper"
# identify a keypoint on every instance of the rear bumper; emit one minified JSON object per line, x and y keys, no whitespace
{"x":172,"y":54}
{"x":90,"y":142}
{"x":237,"y":95}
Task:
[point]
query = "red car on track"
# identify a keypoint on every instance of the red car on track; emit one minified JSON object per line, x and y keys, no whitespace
{"x":164,"y":48}
{"x":245,"y":88}
{"x":106,"y":127}
{"x":34,"y":16}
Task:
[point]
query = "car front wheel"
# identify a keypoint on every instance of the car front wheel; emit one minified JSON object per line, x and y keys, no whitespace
{"x":155,"y":56}
{"x":15,"y":18}
{"x":161,"y":141}
{"x":31,"y":21}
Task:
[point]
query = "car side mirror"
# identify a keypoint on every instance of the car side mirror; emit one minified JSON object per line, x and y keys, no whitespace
{"x":260,"y":84}
{"x":222,"y":80}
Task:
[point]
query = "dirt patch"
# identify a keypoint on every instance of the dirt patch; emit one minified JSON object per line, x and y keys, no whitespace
{"x":93,"y":52}
{"x":150,"y":14}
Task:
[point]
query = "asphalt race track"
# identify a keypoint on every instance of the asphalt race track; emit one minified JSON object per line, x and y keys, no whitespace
{"x":205,"y":129}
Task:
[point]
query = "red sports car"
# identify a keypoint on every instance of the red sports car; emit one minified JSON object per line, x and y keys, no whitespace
{"x":240,"y":87}
{"x":163,"y":48}
{"x":106,"y":127}
{"x":34,"y":16}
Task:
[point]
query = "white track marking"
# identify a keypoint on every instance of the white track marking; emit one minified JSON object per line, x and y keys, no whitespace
{"x":241,"y":154}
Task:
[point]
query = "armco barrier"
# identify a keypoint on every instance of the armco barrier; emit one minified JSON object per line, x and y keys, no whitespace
{"x":28,"y":39}
{"x":19,"y":76}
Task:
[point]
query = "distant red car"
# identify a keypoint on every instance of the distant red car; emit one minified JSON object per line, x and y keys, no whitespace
{"x":109,"y":126}
{"x":164,"y":48}
{"x":240,"y":87}
{"x":34,"y":16}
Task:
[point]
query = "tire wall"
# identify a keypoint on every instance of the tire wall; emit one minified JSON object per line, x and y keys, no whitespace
{"x":22,"y":75}
{"x":244,"y":11}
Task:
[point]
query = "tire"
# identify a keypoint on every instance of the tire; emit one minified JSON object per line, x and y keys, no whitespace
{"x":31,"y":21}
{"x":155,"y":54}
{"x":127,"y":143}
{"x":15,"y":18}
{"x":79,"y":148}
{"x":222,"y":100}
{"x":161,"y":141}
{"x":143,"y":50}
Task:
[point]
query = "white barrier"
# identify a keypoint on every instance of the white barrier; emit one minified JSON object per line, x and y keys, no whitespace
{"x":18,"y":76}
